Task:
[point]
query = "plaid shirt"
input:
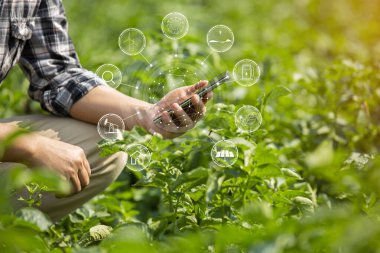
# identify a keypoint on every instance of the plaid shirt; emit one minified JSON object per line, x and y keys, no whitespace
{"x":34,"y":34}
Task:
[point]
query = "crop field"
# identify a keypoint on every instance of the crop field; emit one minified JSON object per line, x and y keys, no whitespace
{"x":307,"y":180}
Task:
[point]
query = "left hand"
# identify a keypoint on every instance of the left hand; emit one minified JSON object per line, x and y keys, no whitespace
{"x":182,"y":121}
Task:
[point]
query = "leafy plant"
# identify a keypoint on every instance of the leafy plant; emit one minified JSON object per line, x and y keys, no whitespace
{"x":305,"y":181}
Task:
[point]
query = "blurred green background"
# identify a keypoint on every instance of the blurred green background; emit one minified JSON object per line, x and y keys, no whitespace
{"x":312,"y":184}
{"x":286,"y":38}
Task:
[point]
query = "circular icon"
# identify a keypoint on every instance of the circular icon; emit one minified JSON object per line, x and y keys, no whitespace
{"x":174,"y":25}
{"x":138,"y":157}
{"x":224,"y":153}
{"x":220,"y":38}
{"x":110,"y":74}
{"x":248,"y":118}
{"x":110,"y":127}
{"x":132,"y":41}
{"x":246,"y":72}
{"x":169,"y":79}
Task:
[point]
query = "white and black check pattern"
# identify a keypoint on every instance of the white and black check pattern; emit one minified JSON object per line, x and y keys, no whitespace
{"x":34,"y":34}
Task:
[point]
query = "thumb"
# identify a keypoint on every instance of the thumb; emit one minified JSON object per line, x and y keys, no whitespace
{"x":199,"y":85}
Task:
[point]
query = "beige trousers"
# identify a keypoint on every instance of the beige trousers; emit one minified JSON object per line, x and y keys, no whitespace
{"x":103,"y":170}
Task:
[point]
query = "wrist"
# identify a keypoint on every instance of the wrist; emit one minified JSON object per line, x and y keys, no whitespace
{"x":141,"y":117}
{"x":21,"y":148}
{"x":30,"y":148}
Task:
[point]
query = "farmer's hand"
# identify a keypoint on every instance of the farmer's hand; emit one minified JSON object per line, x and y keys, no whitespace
{"x":181,"y":120}
{"x":67,"y":160}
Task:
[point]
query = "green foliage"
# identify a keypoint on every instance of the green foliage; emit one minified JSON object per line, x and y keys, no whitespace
{"x":306,"y":181}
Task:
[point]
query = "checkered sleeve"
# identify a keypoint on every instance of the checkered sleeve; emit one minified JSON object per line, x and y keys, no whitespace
{"x":51,"y":64}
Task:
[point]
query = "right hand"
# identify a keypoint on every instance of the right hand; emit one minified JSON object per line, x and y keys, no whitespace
{"x":169,"y":128}
{"x":67,"y":160}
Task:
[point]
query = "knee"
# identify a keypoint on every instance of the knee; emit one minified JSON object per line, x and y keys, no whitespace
{"x":116,"y":164}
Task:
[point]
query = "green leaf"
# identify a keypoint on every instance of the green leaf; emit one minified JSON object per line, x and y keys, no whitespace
{"x":305,"y":205}
{"x":267,"y":171}
{"x":33,"y":218}
{"x":264,"y":155}
{"x":290,"y":173}
{"x":258,"y":212}
{"x":193,"y":175}
{"x":322,"y":156}
{"x":274,"y":94}
{"x":213,"y":186}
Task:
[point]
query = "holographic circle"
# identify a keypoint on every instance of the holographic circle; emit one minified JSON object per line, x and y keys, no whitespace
{"x":132,"y":41}
{"x":220,"y":38}
{"x":138,"y":157}
{"x":174,"y":25}
{"x":246,"y":72}
{"x":110,"y":127}
{"x":224,"y":153}
{"x":248,"y":118}
{"x":170,"y":78}
{"x":166,"y":75}
{"x":111,"y":75}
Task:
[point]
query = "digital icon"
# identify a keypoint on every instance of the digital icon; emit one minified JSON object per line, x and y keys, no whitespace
{"x":180,"y":76}
{"x":156,"y":92}
{"x":220,"y":38}
{"x":110,"y":74}
{"x":248,"y":118}
{"x":138,"y":157}
{"x":110,"y":127}
{"x":169,"y":77}
{"x":174,"y":25}
{"x":224,"y":153}
{"x":132,"y":41}
{"x":246,"y":72}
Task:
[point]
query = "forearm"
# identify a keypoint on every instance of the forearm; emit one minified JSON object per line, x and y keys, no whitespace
{"x":19,"y":149}
{"x":102,"y":100}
